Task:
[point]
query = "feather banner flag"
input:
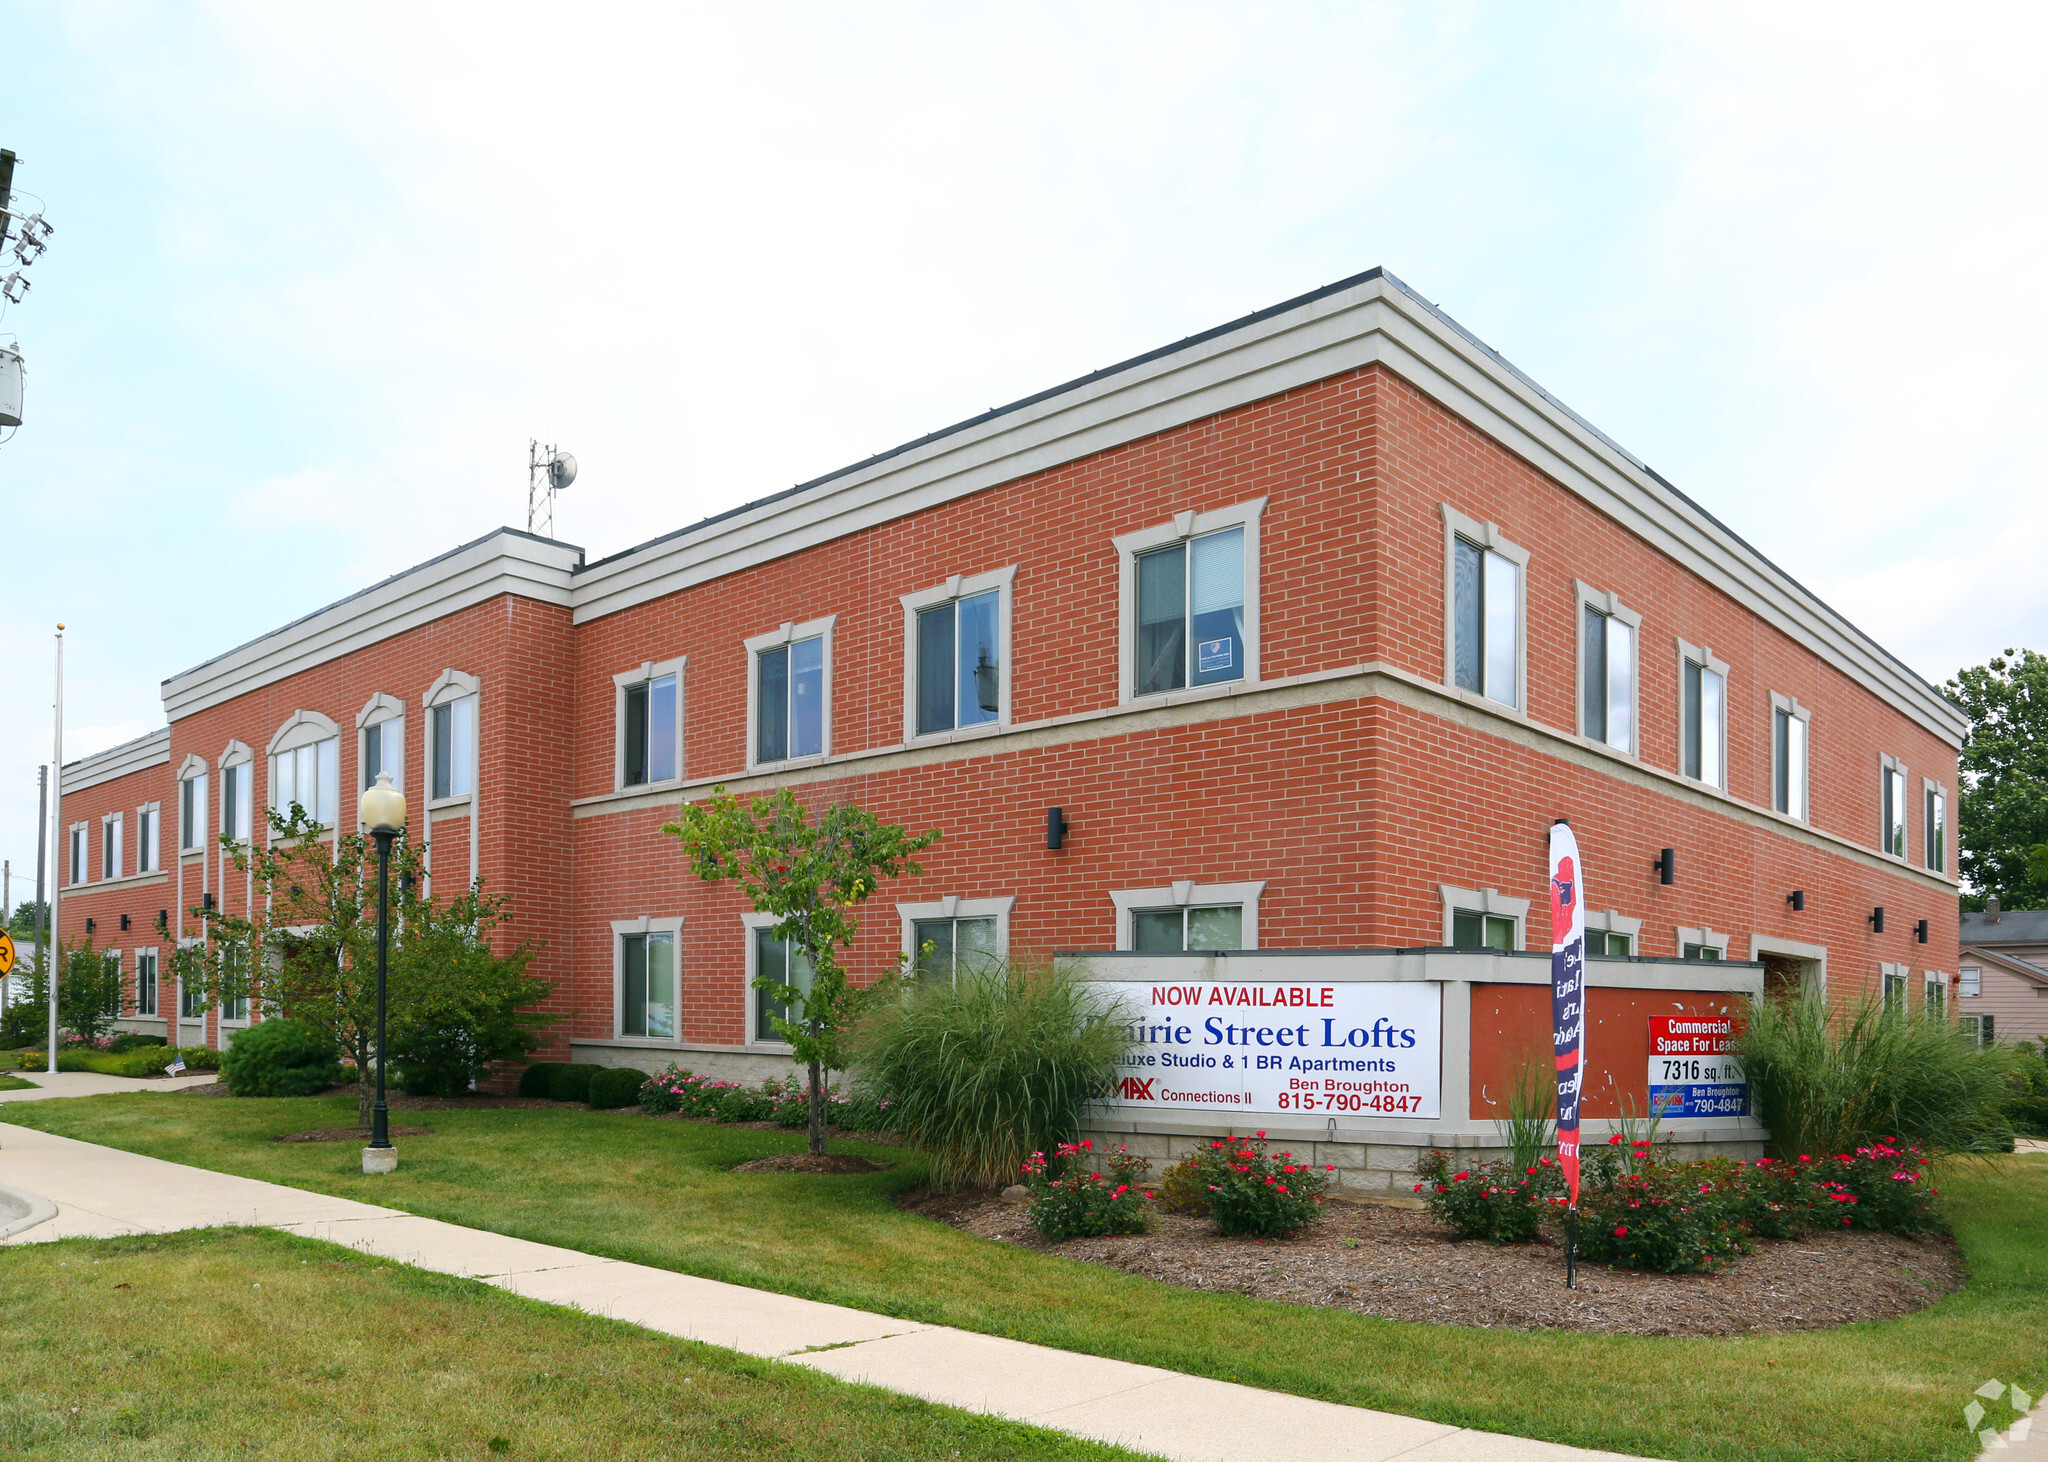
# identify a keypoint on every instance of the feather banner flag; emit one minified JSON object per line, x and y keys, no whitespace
{"x":1568,"y":994}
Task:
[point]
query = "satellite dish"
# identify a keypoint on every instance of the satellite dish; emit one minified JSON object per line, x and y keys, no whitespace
{"x":10,"y":386}
{"x":561,"y":471}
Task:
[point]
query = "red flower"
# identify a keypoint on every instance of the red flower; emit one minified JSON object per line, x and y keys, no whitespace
{"x":1530,"y":1171}
{"x":1621,"y":1231}
{"x":1615,"y":1140}
{"x":1459,"y":1177}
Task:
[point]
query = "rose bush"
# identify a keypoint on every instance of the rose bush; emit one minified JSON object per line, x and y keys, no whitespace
{"x":1081,"y":1202}
{"x":1494,"y":1201}
{"x":1253,"y":1191}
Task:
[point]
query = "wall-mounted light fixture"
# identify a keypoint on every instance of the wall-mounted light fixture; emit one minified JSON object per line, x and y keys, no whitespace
{"x":1877,"y":920}
{"x":206,"y":901}
{"x":90,"y":925}
{"x":1055,"y":827}
{"x":1920,"y":932}
{"x":1666,"y":864}
{"x":124,"y":923}
{"x":163,"y":918}
{"x":1797,"y":899}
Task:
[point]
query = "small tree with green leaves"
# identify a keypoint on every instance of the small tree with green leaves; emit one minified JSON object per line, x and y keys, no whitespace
{"x":811,"y":875}
{"x":89,"y":994}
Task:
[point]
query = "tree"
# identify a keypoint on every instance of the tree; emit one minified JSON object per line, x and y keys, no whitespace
{"x":22,"y":924}
{"x":811,"y":876}
{"x":89,"y":991}
{"x":2002,"y":816}
{"x":308,"y":951}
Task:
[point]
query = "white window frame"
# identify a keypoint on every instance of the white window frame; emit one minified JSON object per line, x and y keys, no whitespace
{"x":1888,"y":765}
{"x":378,"y":711}
{"x":1790,"y":705}
{"x":752,"y":921}
{"x":450,"y":686}
{"x":1931,"y":980}
{"x":1890,"y":977}
{"x":1931,"y":788}
{"x":120,"y":964}
{"x":149,"y":832}
{"x":157,"y":970}
{"x":954,"y":907}
{"x":1612,"y":921}
{"x":1706,"y":659}
{"x":1710,"y":938}
{"x":1606,"y":603}
{"x":78,"y":855}
{"x":111,"y":849}
{"x":787,"y":634}
{"x":236,"y":755}
{"x":1970,"y":982}
{"x":646,"y":924}
{"x":647,"y":671}
{"x":303,"y":729}
{"x":1182,"y":527}
{"x":194,"y":768}
{"x":1489,"y":537}
{"x":1187,"y":895}
{"x":1486,"y":901}
{"x":956,"y":588}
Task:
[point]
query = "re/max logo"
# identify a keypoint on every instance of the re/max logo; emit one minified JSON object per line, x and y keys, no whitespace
{"x":1136,"y":1088}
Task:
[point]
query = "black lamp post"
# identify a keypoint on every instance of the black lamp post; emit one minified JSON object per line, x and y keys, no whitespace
{"x":383,"y":812}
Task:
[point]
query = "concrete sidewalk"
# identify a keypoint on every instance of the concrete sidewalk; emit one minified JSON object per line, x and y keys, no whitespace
{"x":91,"y":1083}
{"x":99,"y":1191}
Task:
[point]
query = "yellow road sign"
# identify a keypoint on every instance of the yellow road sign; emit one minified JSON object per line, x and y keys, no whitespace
{"x":6,"y":953}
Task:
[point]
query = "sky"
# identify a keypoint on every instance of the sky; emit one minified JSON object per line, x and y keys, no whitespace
{"x":319,"y":273}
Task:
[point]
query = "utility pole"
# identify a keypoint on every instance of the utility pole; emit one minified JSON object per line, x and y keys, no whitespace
{"x":42,"y":860}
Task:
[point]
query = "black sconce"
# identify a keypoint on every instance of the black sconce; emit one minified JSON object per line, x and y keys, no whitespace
{"x":405,"y":885}
{"x":90,"y":925}
{"x":1877,"y":920}
{"x":206,"y":901}
{"x":1666,"y":864}
{"x":124,"y":923}
{"x":1055,"y":827}
{"x":1920,"y":932}
{"x":1797,"y":899}
{"x":163,"y":918}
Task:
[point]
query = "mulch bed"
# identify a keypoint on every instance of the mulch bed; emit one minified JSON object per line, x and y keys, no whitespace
{"x":1400,"y":1264}
{"x":804,"y":1162}
{"x":350,"y":1134}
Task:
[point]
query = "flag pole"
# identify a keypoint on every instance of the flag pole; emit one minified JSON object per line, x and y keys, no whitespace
{"x":63,"y":843}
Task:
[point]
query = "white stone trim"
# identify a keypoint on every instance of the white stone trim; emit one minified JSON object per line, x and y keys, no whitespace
{"x":152,"y":750}
{"x":1708,"y":937}
{"x":450,"y":685}
{"x":1791,"y":706}
{"x":304,"y":728}
{"x":645,"y":924}
{"x":1489,"y":537}
{"x":193,"y":765}
{"x":647,"y":670}
{"x":1611,"y":921}
{"x":112,"y":845}
{"x":1179,"y":529}
{"x":954,"y":907}
{"x":1763,"y":944}
{"x":152,"y":815}
{"x":1607,"y":603}
{"x":957,"y":587}
{"x":1185,"y":895}
{"x":788,"y":634}
{"x":1887,"y":763}
{"x":234,"y":754}
{"x":378,"y":709}
{"x":1486,"y":901}
{"x":1705,"y":658}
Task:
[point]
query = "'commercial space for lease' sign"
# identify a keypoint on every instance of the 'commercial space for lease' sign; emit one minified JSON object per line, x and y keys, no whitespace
{"x":1352,"y":1049}
{"x":1692,"y":1073}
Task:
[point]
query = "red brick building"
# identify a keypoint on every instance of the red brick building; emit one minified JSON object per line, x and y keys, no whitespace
{"x":1310,"y":625}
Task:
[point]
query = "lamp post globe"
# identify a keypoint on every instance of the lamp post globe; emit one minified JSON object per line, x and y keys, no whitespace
{"x":383,"y":814}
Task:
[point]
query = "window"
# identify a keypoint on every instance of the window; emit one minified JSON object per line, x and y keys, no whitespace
{"x":310,"y":776}
{"x":145,"y":982}
{"x":1789,"y":721}
{"x":1471,"y":929}
{"x":1891,"y":826}
{"x":947,"y":946}
{"x":789,"y":697}
{"x":1190,"y":602}
{"x":384,"y":751}
{"x":1978,"y":1027}
{"x":650,"y":724}
{"x":1934,"y":988}
{"x":647,"y":990}
{"x":234,"y":982}
{"x":110,"y":846}
{"x":1703,"y":715}
{"x":1894,"y":977}
{"x":1935,"y":828}
{"x":234,"y":802}
{"x":1610,"y":944}
{"x":77,"y":853}
{"x":1970,"y":982}
{"x":1607,"y":669}
{"x":778,"y":963}
{"x":192,"y":813}
{"x":957,"y":658}
{"x":147,"y":858}
{"x":1486,"y":613}
{"x":1700,"y":951}
{"x":454,"y":728}
{"x":110,"y":961}
{"x":191,"y":997}
{"x":1171,"y":931}
{"x":1702,"y":944}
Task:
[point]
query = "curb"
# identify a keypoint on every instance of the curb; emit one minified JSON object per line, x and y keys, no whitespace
{"x":40,"y":1210}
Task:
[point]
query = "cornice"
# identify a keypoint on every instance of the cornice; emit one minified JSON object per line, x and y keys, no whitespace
{"x":153,"y":750}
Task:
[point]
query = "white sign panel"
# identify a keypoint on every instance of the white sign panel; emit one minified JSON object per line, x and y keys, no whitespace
{"x":1352,"y":1049}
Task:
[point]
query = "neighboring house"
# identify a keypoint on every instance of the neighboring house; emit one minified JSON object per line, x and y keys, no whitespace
{"x":2002,"y":993}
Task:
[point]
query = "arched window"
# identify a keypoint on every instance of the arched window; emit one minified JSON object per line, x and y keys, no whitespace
{"x":451,"y":736}
{"x":382,"y":724}
{"x":192,"y":783}
{"x":237,"y":791}
{"x":305,"y":767}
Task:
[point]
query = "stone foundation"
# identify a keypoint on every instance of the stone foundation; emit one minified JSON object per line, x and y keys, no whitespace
{"x":749,"y":1068}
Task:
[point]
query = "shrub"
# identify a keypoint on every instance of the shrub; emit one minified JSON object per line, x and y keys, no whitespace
{"x":1657,"y":1221}
{"x":280,"y":1058}
{"x":1184,"y":1187}
{"x":2029,"y":1108}
{"x":1495,"y":1201}
{"x":1768,"y":1198}
{"x":616,"y":1086}
{"x":1081,"y":1202}
{"x":1825,"y":1085}
{"x":128,"y":1041}
{"x":663,"y":1092}
{"x":536,"y":1080}
{"x":988,"y":1069}
{"x":1889,"y":1188}
{"x":860,"y":1111}
{"x":1252,"y":1191}
{"x":789,"y":1103}
{"x":571,"y":1083}
{"x":198,"y":1058}
{"x":742,"y":1104}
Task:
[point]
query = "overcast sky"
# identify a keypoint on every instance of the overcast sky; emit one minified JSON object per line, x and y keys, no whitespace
{"x":321,"y":271}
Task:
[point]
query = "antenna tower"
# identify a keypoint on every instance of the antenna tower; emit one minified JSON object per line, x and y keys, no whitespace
{"x":548,"y":471}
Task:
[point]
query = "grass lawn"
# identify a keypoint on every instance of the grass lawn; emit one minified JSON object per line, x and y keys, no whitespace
{"x":15,"y":1083}
{"x":228,"y":1342}
{"x":659,"y":1193}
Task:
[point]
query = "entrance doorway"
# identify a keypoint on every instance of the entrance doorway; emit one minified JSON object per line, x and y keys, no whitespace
{"x":1787,"y":976}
